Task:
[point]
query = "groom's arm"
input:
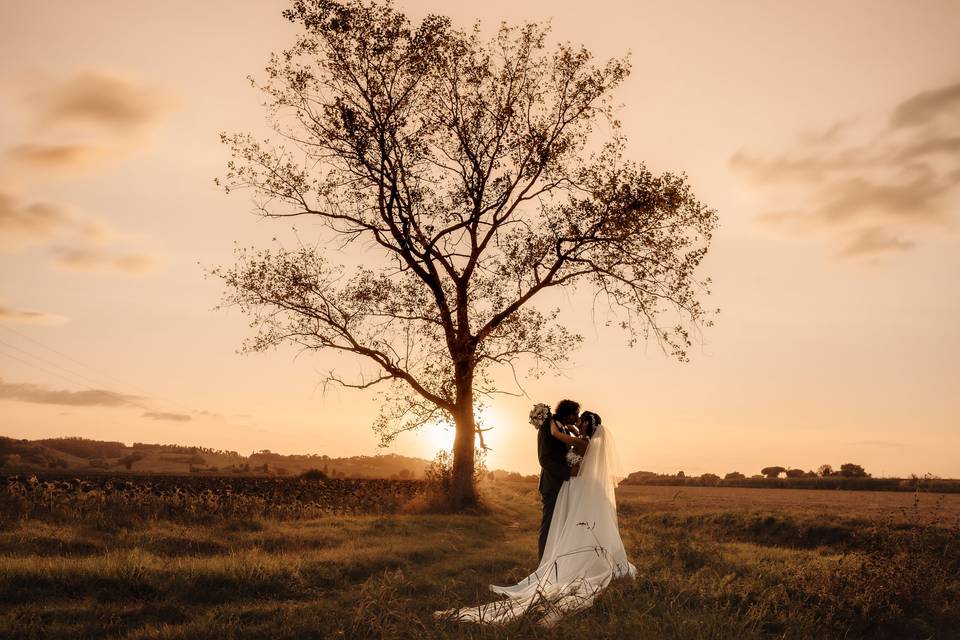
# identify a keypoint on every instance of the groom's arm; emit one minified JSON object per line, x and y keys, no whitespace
{"x":555,"y":467}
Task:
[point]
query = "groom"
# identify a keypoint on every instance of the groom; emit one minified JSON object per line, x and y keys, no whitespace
{"x":553,"y":463}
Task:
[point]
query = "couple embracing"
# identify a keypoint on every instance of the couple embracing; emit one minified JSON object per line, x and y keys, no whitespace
{"x":580,"y":548}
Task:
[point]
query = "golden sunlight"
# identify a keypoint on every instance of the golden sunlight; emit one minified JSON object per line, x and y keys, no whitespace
{"x":440,"y":435}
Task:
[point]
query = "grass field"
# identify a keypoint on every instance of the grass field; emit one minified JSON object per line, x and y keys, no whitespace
{"x":713,"y":563}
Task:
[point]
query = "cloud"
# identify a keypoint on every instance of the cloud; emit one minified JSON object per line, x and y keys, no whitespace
{"x":209,"y":414}
{"x":97,"y":98}
{"x":19,"y":221}
{"x":80,"y":120}
{"x":162,"y":415}
{"x":926,"y":106}
{"x":871,"y":241}
{"x":26,"y":316}
{"x":870,"y":197}
{"x":75,"y":241}
{"x":96,"y":259}
{"x":25,"y":223}
{"x":56,"y":156}
{"x":41,"y":394}
{"x":110,"y":111}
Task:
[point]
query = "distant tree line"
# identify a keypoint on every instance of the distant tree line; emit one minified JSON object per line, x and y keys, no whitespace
{"x":848,"y":470}
{"x":84,"y":448}
{"x":848,"y":476}
{"x":176,"y":448}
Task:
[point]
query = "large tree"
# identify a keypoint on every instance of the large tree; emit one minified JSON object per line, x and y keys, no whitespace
{"x":467,"y":164}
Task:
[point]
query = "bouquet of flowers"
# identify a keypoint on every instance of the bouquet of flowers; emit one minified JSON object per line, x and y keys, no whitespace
{"x":573,"y":458}
{"x":538,"y":414}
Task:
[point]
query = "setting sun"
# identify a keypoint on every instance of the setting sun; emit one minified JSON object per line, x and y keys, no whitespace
{"x":439,"y":436}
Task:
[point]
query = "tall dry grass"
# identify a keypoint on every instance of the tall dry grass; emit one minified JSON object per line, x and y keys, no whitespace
{"x":736,"y":573}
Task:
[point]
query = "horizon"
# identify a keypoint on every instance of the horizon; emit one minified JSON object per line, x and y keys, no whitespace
{"x":833,"y":170}
{"x":720,"y":473}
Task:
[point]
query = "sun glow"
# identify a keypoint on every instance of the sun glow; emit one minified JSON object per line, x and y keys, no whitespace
{"x":440,"y":435}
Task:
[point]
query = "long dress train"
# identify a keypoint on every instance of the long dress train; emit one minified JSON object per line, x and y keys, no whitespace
{"x":583,"y":553}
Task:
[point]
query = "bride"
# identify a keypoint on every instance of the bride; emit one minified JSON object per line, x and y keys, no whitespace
{"x":583,"y":552}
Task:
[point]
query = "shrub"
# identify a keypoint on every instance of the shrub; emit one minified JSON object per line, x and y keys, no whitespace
{"x":439,"y":482}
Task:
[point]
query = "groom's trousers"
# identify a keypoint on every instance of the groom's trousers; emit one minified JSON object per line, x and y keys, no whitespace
{"x":549,"y":502}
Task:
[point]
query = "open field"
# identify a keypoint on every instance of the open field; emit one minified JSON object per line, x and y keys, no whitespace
{"x":713,"y":563}
{"x":901,"y":506}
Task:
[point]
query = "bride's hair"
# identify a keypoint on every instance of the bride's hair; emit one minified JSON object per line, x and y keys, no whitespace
{"x":590,"y":421}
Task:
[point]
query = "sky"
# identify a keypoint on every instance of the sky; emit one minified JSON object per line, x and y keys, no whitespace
{"x":824,"y":134}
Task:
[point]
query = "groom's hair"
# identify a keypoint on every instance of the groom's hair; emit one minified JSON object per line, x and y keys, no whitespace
{"x":566,"y":408}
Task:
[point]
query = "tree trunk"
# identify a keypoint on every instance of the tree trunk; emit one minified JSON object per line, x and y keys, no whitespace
{"x":463,"y":493}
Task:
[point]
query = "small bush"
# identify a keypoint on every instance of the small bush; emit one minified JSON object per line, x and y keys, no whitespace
{"x":439,"y":485}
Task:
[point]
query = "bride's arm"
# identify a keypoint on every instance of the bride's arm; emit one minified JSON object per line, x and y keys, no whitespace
{"x":561,"y":436}
{"x":580,"y":446}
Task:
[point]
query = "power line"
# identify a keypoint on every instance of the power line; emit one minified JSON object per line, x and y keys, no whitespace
{"x":100,"y":381}
{"x":74,"y":360}
{"x":54,"y":373}
{"x":44,"y":360}
{"x":167,"y":401}
{"x":33,"y":364}
{"x":85,"y":383}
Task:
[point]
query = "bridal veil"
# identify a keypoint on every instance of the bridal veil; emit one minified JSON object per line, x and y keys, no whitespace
{"x":583,"y":553}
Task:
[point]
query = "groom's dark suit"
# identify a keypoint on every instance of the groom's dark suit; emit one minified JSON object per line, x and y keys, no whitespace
{"x":553,"y":472}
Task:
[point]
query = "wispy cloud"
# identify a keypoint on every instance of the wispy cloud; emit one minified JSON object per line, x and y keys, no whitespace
{"x":42,"y":394}
{"x":874,"y":240}
{"x":109,"y":111}
{"x":99,"y":98}
{"x":926,"y":106}
{"x":76,"y":240}
{"x":97,"y":259}
{"x":22,"y":222}
{"x":26,"y":316}
{"x":162,"y":415}
{"x":56,"y":156}
{"x":209,"y":414}
{"x":870,"y":197}
{"x":82,"y":119}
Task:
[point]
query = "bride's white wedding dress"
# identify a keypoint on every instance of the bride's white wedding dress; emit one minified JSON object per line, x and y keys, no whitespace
{"x":583,"y":551}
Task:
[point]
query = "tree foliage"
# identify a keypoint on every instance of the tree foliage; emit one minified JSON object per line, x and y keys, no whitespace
{"x":465,"y":168}
{"x":850,"y":470}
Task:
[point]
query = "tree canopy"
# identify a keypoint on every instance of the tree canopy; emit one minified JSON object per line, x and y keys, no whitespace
{"x":468,"y":164}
